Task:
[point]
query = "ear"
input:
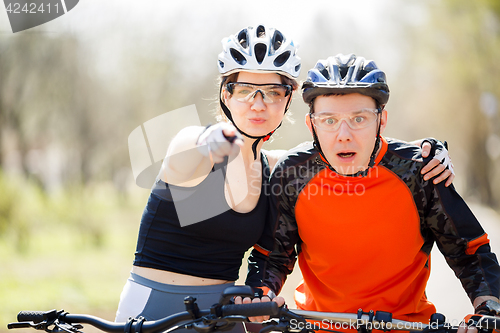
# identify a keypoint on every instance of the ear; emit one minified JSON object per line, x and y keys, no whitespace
{"x":225,"y":95}
{"x":308,"y":123}
{"x":383,"y":121}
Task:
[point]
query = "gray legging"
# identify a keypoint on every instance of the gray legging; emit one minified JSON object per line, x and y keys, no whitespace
{"x":153,"y":300}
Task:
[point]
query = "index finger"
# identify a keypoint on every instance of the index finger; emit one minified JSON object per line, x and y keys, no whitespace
{"x":229,"y":134}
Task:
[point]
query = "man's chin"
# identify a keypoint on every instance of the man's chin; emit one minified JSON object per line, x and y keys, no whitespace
{"x":347,"y":169}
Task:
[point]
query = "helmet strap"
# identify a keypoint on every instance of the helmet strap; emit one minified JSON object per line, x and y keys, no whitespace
{"x":318,"y":146}
{"x":257,"y":139}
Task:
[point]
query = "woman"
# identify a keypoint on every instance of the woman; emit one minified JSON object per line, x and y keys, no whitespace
{"x":208,"y":205}
{"x":259,"y":67}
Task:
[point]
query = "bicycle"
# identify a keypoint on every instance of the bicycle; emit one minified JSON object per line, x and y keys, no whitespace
{"x":222,"y":316}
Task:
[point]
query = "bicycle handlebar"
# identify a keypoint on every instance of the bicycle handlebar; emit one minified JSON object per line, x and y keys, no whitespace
{"x":247,"y":310}
{"x":383,"y":321}
{"x":232,"y":312}
{"x":219,"y":317}
{"x":379,"y":320}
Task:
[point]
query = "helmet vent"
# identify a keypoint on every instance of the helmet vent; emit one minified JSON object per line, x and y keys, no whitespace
{"x":281,"y":59}
{"x":259,"y":48}
{"x":277,"y":40}
{"x":323,"y":71}
{"x":260,"y":31}
{"x":361,"y":74}
{"x":238,"y":57}
{"x":346,"y":74}
{"x":243,"y":38}
{"x":260,"y":52}
{"x":343,"y":71}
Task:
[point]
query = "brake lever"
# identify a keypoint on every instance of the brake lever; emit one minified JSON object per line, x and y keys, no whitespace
{"x":273,"y":326}
{"x":70,"y":328}
{"x":230,"y":292}
{"x":208,"y":324}
{"x":23,"y":324}
{"x":283,"y":322}
{"x":44,"y":325}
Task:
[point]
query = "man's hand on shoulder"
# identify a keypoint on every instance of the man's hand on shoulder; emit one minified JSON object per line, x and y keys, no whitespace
{"x":440,"y":165}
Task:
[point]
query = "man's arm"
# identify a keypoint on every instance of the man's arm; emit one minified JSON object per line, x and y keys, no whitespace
{"x":463,"y":242}
{"x":268,"y":270}
{"x":465,"y":245}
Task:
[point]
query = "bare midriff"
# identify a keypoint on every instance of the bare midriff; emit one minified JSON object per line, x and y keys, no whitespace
{"x":174,"y":278}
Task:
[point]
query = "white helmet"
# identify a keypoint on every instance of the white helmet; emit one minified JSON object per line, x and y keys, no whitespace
{"x":259,"y":49}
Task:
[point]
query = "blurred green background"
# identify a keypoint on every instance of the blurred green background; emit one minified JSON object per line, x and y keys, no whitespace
{"x":72,"y":90}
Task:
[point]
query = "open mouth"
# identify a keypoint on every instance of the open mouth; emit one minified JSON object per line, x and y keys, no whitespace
{"x":346,"y":155}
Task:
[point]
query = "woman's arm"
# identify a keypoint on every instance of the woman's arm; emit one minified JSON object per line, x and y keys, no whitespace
{"x":195,"y":149}
{"x":183,"y":163}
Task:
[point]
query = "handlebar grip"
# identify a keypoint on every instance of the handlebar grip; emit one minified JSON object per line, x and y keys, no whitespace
{"x":34,"y":316}
{"x":251,"y":310}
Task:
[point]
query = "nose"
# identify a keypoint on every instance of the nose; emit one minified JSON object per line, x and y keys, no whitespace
{"x":258,"y":101}
{"x":344,"y":132}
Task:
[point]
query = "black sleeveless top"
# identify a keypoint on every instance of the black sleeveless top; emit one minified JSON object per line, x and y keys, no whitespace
{"x":192,"y":230}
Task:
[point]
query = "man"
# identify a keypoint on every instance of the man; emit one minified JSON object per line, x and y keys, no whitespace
{"x":358,"y":213}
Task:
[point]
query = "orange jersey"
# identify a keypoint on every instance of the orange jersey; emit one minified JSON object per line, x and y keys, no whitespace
{"x":364,"y":242}
{"x":362,"y":257}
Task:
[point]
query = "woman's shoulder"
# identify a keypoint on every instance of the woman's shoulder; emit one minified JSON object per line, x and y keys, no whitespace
{"x":278,"y":155}
{"x":273,"y":156}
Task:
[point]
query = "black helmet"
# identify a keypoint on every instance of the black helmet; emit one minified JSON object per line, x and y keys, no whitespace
{"x":346,"y":74}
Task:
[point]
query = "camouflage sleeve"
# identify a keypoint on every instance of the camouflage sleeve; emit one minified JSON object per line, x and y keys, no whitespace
{"x":462,"y":240}
{"x":270,"y":270}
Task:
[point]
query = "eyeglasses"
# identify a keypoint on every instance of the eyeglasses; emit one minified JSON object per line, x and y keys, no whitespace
{"x":355,"y":120}
{"x":271,"y":93}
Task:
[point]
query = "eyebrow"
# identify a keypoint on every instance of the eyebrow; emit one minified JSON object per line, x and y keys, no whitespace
{"x":320,"y":113}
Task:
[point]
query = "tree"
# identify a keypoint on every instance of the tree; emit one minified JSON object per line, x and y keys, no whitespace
{"x":455,"y":66}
